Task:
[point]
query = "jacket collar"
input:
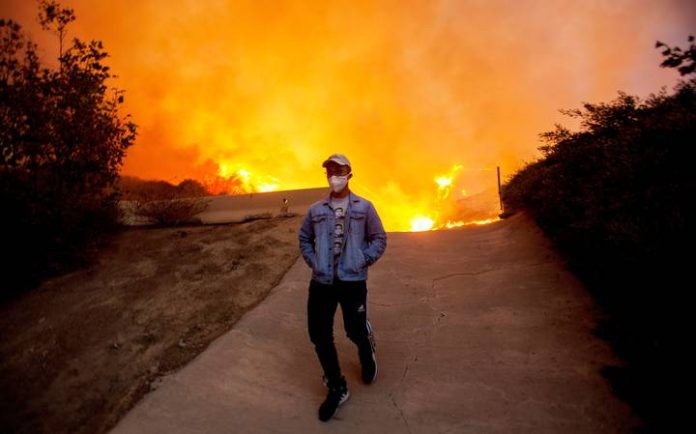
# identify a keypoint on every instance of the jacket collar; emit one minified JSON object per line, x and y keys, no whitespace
{"x":352,"y":197}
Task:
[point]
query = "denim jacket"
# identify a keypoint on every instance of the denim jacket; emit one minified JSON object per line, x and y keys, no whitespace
{"x":365,"y":240}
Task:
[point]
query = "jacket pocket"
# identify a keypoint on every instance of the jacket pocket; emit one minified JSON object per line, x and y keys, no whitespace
{"x":355,"y":261}
{"x":363,"y":260}
{"x":319,"y":223}
{"x":321,"y":247}
{"x":318,"y":218}
{"x":357,"y":225}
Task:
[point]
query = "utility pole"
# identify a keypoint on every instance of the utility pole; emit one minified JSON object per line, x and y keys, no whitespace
{"x":500,"y":196}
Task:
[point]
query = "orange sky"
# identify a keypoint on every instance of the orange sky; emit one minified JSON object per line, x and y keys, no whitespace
{"x":407,"y":89}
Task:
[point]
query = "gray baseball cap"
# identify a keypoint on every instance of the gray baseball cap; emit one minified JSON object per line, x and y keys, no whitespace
{"x":338,"y":159}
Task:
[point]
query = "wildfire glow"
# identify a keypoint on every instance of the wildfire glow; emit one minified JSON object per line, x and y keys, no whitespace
{"x":242,"y":180}
{"x":442,"y":211}
{"x":252,"y":96}
{"x":419,"y":224}
{"x":444,"y":182}
{"x":450,"y":225}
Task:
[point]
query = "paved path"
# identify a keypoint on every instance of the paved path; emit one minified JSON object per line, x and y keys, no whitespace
{"x":479,"y":330}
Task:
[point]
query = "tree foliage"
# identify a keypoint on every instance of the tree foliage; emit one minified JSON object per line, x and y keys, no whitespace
{"x":63,"y":141}
{"x":622,"y":182}
{"x":675,"y":57}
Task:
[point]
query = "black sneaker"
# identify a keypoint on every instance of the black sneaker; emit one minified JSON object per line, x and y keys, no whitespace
{"x":368,"y":361}
{"x":338,"y":394}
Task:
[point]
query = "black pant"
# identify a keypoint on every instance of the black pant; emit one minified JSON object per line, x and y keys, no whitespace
{"x":321,"y":308}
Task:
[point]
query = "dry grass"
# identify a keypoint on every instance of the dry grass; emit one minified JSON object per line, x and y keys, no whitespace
{"x":77,"y":353}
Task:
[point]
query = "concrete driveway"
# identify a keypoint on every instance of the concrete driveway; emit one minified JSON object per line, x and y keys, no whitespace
{"x":478,"y":330}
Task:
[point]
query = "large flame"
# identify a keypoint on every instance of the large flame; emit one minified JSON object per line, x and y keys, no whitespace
{"x":443,"y":210}
{"x":421,"y":224}
{"x":249,"y":182}
{"x":253,"y":95}
{"x":436,"y":211}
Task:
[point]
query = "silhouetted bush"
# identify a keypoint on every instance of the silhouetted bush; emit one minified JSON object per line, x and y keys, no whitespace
{"x":132,"y":188}
{"x":62,"y":142}
{"x":161,"y":202}
{"x":617,"y":199}
{"x":170,"y":212}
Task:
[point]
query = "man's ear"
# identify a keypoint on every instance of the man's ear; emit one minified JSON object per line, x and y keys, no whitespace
{"x":350,"y":175}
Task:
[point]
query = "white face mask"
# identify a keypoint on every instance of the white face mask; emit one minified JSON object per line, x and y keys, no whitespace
{"x":338,"y":183}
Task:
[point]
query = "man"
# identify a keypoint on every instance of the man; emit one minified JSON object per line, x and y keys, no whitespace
{"x":340,"y":237}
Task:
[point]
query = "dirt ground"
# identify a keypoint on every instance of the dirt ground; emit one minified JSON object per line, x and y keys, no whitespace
{"x":77,"y":353}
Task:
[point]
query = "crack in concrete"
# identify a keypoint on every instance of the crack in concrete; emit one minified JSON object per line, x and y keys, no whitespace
{"x":431,"y":295}
{"x":412,"y":358}
{"x":401,"y":412}
{"x":406,"y":368}
{"x":389,"y":304}
{"x":537,"y":264}
{"x":472,"y":273}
